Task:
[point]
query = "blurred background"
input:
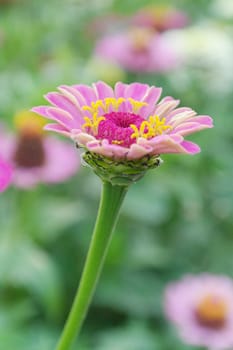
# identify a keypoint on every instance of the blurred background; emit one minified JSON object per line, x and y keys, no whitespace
{"x":176,"y":220}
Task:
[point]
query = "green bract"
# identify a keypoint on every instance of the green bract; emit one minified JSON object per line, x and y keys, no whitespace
{"x":120,"y":172}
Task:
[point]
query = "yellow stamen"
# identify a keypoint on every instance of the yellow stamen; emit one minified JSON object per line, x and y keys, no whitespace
{"x":145,"y":125}
{"x":150,"y":128}
{"x":93,"y":123}
{"x":115,"y":103}
{"x":109,"y":102}
{"x":88,"y":108}
{"x":117,"y":142}
{"x":120,"y":100}
{"x":137,"y":105}
{"x":158,"y":124}
{"x":99,"y":104}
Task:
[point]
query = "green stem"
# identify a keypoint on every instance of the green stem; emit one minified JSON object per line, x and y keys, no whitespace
{"x":110,"y":203}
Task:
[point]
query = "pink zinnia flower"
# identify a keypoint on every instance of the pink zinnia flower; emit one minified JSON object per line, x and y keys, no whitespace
{"x":202,"y":309}
{"x":160,"y":18}
{"x":138,"y":50}
{"x":126,"y":122}
{"x":5,"y":174}
{"x":35,"y":157}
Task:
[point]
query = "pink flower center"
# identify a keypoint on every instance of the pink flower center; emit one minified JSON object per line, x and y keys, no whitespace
{"x":211,"y":312}
{"x":29,"y":151}
{"x":121,"y":128}
{"x":116,"y":128}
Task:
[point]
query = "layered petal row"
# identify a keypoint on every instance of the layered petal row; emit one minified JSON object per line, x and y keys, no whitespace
{"x":96,"y":117}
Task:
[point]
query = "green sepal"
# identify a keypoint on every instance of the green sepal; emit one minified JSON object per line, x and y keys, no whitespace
{"x":121,"y":172}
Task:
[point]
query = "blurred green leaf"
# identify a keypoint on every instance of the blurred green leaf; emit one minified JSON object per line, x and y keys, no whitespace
{"x":131,"y":292}
{"x":135,"y":336}
{"x":23,"y":265}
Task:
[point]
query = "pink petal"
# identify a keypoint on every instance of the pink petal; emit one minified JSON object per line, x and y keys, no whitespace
{"x":190,"y":147}
{"x":42,"y":110}
{"x":57,"y":128}
{"x":87,"y":92}
{"x":6,"y":173}
{"x":97,"y":147}
{"x":65,"y":103}
{"x":172,"y":144}
{"x":203,"y":120}
{"x":54,"y":113}
{"x":180,"y":118}
{"x":62,"y":161}
{"x":117,"y":151}
{"x":7,"y":144}
{"x":60,"y":116}
{"x":106,"y":149}
{"x":167,"y":99}
{"x":26,"y":178}
{"x":179,"y":110}
{"x":164,"y":108}
{"x":82,"y":138}
{"x":80,"y":100}
{"x":120,"y":89}
{"x":136,"y":91}
{"x":102,"y":90}
{"x":137,"y":151}
{"x":151,"y":99}
{"x":188,"y":128}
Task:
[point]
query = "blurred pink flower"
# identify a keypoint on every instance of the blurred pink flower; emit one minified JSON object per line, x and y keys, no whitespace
{"x":35,"y":157}
{"x":160,"y":18}
{"x":122,"y":123}
{"x":202,"y":309}
{"x":5,"y":175}
{"x":138,"y":50}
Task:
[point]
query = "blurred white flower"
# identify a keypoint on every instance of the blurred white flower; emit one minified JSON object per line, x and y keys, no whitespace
{"x":206,"y":51}
{"x":223,"y":8}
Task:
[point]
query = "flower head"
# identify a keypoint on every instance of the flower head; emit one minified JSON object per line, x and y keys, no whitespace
{"x":202,"y":309}
{"x":124,"y":123}
{"x":138,"y":50}
{"x":35,"y":157}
